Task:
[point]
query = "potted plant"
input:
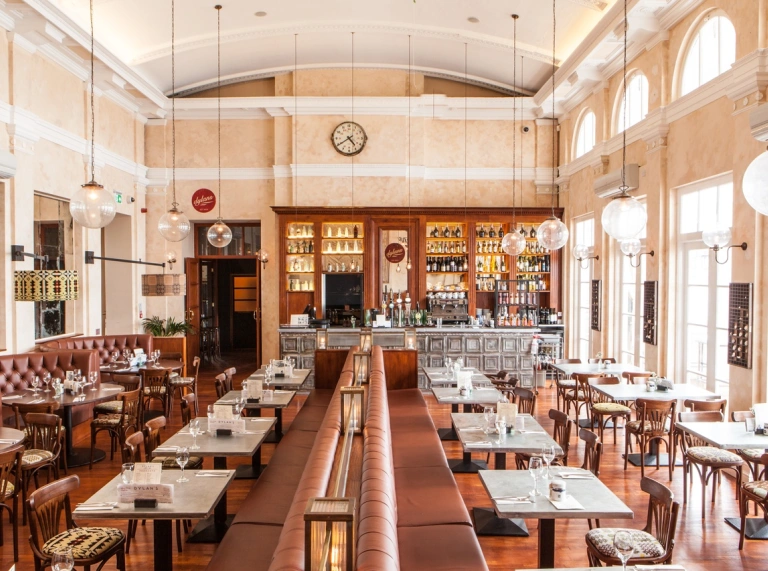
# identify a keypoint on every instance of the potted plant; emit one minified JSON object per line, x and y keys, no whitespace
{"x":169,"y":335}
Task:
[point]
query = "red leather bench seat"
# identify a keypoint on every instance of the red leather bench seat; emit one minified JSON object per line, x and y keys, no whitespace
{"x":440,"y":548}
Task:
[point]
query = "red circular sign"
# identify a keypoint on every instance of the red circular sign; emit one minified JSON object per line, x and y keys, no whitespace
{"x":203,"y":200}
{"x":394,"y":253}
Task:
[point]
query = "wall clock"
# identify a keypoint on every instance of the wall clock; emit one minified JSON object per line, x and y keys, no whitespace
{"x":349,"y":138}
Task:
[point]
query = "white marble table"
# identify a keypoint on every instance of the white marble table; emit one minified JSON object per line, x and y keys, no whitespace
{"x":280,"y":400}
{"x":220,"y":448}
{"x":295,"y":382}
{"x":610,"y":369}
{"x":191,"y":500}
{"x":598,"y":500}
{"x":438,"y":377}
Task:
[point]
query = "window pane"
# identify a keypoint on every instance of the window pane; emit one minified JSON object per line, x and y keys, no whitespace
{"x":725,"y":205}
{"x":252,"y":240}
{"x":721,"y":356}
{"x":698,"y":267}
{"x":696,"y":349}
{"x":696,"y":304}
{"x":689,"y":212}
{"x":711,"y":53}
{"x":721,"y":319}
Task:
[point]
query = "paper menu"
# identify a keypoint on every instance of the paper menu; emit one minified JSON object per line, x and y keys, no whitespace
{"x":222,"y":411}
{"x":507,"y":411}
{"x":147,"y":472}
{"x":127,"y":493}
{"x":254,"y":388}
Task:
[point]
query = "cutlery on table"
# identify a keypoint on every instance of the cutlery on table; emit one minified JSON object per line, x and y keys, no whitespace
{"x":208,"y":474}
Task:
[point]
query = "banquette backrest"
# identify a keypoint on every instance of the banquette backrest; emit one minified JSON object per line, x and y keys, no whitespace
{"x":104,"y":344}
{"x":17,"y":371}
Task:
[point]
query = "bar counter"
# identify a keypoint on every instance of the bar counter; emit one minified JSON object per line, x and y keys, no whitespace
{"x":484,"y":348}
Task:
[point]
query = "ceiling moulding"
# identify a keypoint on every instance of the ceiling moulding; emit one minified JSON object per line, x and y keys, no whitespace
{"x":237,"y":78}
{"x":335,"y":28}
{"x":597,"y":5}
{"x":749,"y":79}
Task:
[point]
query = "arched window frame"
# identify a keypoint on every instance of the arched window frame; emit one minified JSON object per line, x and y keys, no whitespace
{"x":635,"y":76}
{"x":692,"y":37}
{"x":587,"y":116}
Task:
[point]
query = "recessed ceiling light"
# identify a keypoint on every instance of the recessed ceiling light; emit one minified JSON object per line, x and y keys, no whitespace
{"x":260,"y":14}
{"x":473,"y":20}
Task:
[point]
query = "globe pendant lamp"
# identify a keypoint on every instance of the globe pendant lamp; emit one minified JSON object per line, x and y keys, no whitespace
{"x":624,"y":217}
{"x":755,"y":184}
{"x":630,"y":247}
{"x":174,"y":226}
{"x":219,"y":235}
{"x":552,"y":233}
{"x":92,"y":205}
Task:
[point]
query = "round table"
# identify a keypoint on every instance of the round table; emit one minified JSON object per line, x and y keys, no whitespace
{"x":75,"y":456}
{"x":121,"y":369}
{"x":8,"y":434}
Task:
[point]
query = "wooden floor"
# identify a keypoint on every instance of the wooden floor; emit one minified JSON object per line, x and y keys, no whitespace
{"x":701,"y":544}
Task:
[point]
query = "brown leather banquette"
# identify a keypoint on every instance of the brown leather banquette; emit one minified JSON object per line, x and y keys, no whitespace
{"x":103,"y":344}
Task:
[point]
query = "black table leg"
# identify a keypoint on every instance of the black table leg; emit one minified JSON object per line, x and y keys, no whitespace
{"x":252,"y":471}
{"x":546,"y":544}
{"x":466,"y":465}
{"x":277,"y":434}
{"x":163,"y":532}
{"x":212,"y":529}
{"x":488,"y":523}
{"x":449,"y":434}
{"x":77,"y":457}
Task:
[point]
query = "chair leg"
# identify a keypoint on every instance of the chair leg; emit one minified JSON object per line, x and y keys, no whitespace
{"x":15,"y":521}
{"x":93,"y":446}
{"x":743,"y":506}
{"x":178,"y":535}
{"x":704,"y":478}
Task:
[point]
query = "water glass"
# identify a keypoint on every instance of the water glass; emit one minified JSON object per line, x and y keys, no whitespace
{"x":127,"y":473}
{"x":490,"y":419}
{"x":535,"y":468}
{"x":548,"y":453}
{"x":501,"y":427}
{"x":93,"y":376}
{"x":210,"y":411}
{"x":624,"y":544}
{"x":182,"y":457}
{"x":63,"y":560}
{"x":46,"y":381}
{"x":448,"y":362}
{"x":35,"y":382}
{"x":194,"y":430}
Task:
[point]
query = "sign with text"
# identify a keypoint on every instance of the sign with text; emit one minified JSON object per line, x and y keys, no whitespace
{"x":147,"y":472}
{"x":233,"y":424}
{"x":203,"y":200}
{"x":127,"y":493}
{"x":254,"y":388}
{"x":394,"y":253}
{"x":222,"y":411}
{"x":507,"y":411}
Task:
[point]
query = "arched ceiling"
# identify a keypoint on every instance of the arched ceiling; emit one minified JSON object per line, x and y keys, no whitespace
{"x":138,"y":33}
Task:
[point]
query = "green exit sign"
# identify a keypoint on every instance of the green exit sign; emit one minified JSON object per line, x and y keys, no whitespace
{"x":119,"y":197}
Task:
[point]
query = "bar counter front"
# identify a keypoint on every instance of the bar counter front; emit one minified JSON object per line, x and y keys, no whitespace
{"x":488,"y":349}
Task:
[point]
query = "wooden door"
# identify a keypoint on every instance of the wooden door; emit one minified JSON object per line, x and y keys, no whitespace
{"x":192,"y":307}
{"x":246,"y":296}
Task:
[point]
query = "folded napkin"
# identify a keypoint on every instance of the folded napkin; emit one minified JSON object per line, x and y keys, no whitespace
{"x":93,"y":508}
{"x":252,"y":432}
{"x":10,"y":397}
{"x":283,"y":392}
{"x":575,"y":476}
{"x":482,"y":443}
{"x":166,"y":449}
{"x":471,"y":429}
{"x":531,"y":432}
{"x":569,"y":503}
{"x":8,"y":441}
{"x":211,"y":474}
{"x":511,"y":502}
{"x":112,"y":388}
{"x":226,"y":402}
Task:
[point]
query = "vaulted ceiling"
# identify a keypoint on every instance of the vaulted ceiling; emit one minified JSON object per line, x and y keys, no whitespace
{"x":258,"y":37}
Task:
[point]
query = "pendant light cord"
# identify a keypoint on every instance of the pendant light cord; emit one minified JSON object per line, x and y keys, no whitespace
{"x":218,"y":90}
{"x":514,"y":118}
{"x":624,"y":130}
{"x":554,"y":121}
{"x":93,"y":110}
{"x":295,"y":122}
{"x":174,"y":204}
{"x":465,"y":132}
{"x":409,"y":136}
{"x":353,"y":120}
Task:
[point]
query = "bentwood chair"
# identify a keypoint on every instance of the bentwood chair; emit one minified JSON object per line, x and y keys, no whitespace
{"x":757,"y":492}
{"x":655,"y":424}
{"x":118,"y":426}
{"x":152,"y":441}
{"x":561,"y":433}
{"x":230,"y":373}
{"x":129,"y":383}
{"x":632,"y":375}
{"x":155,"y":387}
{"x":602,"y":408}
{"x":653,"y":544}
{"x":578,"y":396}
{"x":563,"y":384}
{"x":525,"y":399}
{"x":44,"y":443}
{"x":708,"y":460}
{"x":184,"y":385}
{"x":696,"y":405}
{"x":752,"y":456}
{"x":10,"y":485}
{"x":593,"y":453}
{"x":89,"y":545}
{"x":132,"y":454}
{"x":611,"y":360}
{"x":223,"y":384}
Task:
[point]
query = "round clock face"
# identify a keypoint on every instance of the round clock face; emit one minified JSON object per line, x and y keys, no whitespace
{"x":349,"y":138}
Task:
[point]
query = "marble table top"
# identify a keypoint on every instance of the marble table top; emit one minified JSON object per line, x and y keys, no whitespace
{"x":294,"y":382}
{"x":468,"y":427}
{"x":611,"y":369}
{"x":235,"y":445}
{"x":439,"y":378}
{"x":627,"y":392}
{"x":280,"y":399}
{"x":728,"y":435}
{"x":450,"y":395}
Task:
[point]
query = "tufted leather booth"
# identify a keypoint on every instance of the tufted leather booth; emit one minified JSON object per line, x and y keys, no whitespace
{"x":103,"y":344}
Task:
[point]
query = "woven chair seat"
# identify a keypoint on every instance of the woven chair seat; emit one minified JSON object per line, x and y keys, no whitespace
{"x":111,"y":407}
{"x":646,"y":546}
{"x":112,"y":420}
{"x":35,"y":456}
{"x":753,"y":454}
{"x":148,"y":391}
{"x":85,"y":542}
{"x":183,"y":381}
{"x":10,"y":489}
{"x":169,"y":463}
{"x":566,"y":384}
{"x":634,"y":426}
{"x":610,"y":407}
{"x":705,"y":454}
{"x":758,"y":488}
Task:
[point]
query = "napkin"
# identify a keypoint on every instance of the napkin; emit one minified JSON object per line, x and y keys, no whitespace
{"x":531,"y":432}
{"x":575,"y":476}
{"x":8,"y":441}
{"x":482,"y":443}
{"x":166,"y":449}
{"x":569,"y":503}
{"x":471,"y":429}
{"x":10,"y":397}
{"x":508,"y":502}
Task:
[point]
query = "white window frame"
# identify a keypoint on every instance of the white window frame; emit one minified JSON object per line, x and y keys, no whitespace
{"x":634,"y":77}
{"x":582,"y":275}
{"x":694,"y":36}
{"x":640,"y":272}
{"x":581,"y":146}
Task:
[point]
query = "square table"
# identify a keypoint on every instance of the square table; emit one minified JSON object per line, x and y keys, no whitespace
{"x":294,"y":382}
{"x":629,"y":392}
{"x":531,"y":441}
{"x":220,"y":448}
{"x":191,"y":500}
{"x":598,"y":500}
{"x":732,"y":436}
{"x":480,"y":396}
{"x":610,"y":369}
{"x":280,"y":400}
{"x":438,"y":377}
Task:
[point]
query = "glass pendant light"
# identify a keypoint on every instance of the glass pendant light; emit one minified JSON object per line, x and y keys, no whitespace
{"x":219,"y":235}
{"x":514,"y":243}
{"x":553,"y":234}
{"x":624,"y":217}
{"x":174,"y":226}
{"x":718,"y":237}
{"x":92,"y":205}
{"x":630,"y":247}
{"x":755,"y":184}
{"x":580,"y":251}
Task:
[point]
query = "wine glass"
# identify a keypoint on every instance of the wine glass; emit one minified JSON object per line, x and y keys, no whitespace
{"x":548,"y":453}
{"x":46,"y":381}
{"x":624,"y":544}
{"x":194,"y":430}
{"x":448,"y":362}
{"x":93,"y":377}
{"x":210,"y":412}
{"x":490,"y":419}
{"x":115,"y":355}
{"x":34,"y":382}
{"x":127,"y":473}
{"x":239,"y":404}
{"x":182,"y":457}
{"x":501,"y":428}
{"x":63,"y":560}
{"x":535,"y":468}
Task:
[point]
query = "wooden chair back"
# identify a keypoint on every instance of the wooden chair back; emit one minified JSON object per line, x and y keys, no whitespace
{"x":44,"y":432}
{"x":21,"y":410}
{"x":596,"y":397}
{"x":131,"y":409}
{"x":662,"y":513}
{"x":658,"y":414}
{"x":128,"y":382}
{"x":706,"y":405}
{"x":604,"y":360}
{"x":687,"y":439}
{"x":187,"y":408}
{"x":230,"y":373}
{"x":223,"y":384}
{"x":567,"y":361}
{"x":561,"y":433}
{"x":525,"y":399}
{"x":152,"y":434}
{"x":9,"y":475}
{"x":741,"y":415}
{"x":132,"y":447}
{"x":593,"y":451}
{"x":46,"y":506}
{"x":195,"y":366}
{"x":631,"y":376}
{"x":155,"y":382}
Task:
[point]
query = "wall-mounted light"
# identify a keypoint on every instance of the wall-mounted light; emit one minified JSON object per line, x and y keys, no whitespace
{"x":170,"y":258}
{"x":263,"y":256}
{"x":632,"y":249}
{"x":581,"y":253}
{"x":717,"y":239}
{"x":42,"y":285}
{"x":329,"y":537}
{"x":352,"y":409}
{"x":321,"y":337}
{"x":152,"y":285}
{"x":410,"y":333}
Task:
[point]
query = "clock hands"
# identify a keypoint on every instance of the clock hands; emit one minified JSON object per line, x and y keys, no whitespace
{"x":349,"y":138}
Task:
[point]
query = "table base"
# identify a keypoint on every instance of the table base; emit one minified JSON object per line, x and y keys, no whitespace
{"x":273,"y":437}
{"x":756,"y":527}
{"x":209,"y":530}
{"x":546,"y":543}
{"x":248,"y":472}
{"x":466,"y":465}
{"x":650,"y":460}
{"x":447,"y":434}
{"x":163,"y":537}
{"x":586,"y":423}
{"x":82,"y":457}
{"x":487,"y":523}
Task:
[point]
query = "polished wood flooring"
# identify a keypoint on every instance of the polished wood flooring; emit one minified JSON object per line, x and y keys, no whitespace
{"x":701,"y":544}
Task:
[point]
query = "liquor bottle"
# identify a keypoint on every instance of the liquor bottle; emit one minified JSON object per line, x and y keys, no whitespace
{"x":533,"y":232}
{"x":501,"y":231}
{"x":481,"y":234}
{"x":311,"y":247}
{"x":453,"y":264}
{"x":435,"y":232}
{"x":463,"y":247}
{"x":355,"y":231}
{"x":446,"y":233}
{"x":522,"y":230}
{"x":466,"y":264}
{"x":492,"y":232}
{"x":458,"y":231}
{"x":479,"y":247}
{"x":503,"y":265}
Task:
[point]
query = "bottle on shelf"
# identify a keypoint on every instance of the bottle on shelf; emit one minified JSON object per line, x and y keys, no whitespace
{"x":458,"y":231}
{"x":446,"y":233}
{"x":533,"y":232}
{"x":355,"y":231}
{"x":481,"y":233}
{"x":500,"y":233}
{"x":492,"y":232}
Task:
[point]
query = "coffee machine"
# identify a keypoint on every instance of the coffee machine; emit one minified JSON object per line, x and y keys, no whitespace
{"x":449,"y":310}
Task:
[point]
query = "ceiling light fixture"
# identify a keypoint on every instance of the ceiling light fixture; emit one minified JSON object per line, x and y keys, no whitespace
{"x":174,"y":225}
{"x":219,"y":235}
{"x":408,"y":265}
{"x":717,"y":239}
{"x":624,"y":217}
{"x":553,"y":234}
{"x":92,"y":205}
{"x":581,"y":253}
{"x":632,"y":249}
{"x":260,"y":14}
{"x":513,"y":242}
{"x":755,"y":184}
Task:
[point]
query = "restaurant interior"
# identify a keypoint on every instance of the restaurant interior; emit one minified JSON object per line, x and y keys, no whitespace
{"x":401,"y":285}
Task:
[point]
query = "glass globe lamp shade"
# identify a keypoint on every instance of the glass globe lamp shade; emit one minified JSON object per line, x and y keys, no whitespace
{"x":408,"y":265}
{"x":93,"y":206}
{"x":717,"y":237}
{"x":552,"y":234}
{"x":580,"y":252}
{"x":630,"y":247}
{"x":219,"y":235}
{"x":624,"y":218}
{"x":513,"y":243}
{"x":755,"y":184}
{"x":263,"y":256}
{"x":174,"y":225}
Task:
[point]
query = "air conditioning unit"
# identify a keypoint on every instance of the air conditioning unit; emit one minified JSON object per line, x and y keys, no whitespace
{"x":758,"y":123}
{"x":607,"y":186}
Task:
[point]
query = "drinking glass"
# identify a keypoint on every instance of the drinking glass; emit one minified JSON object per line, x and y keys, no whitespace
{"x":239,"y":404}
{"x":127,"y":473}
{"x":535,"y":468}
{"x":63,"y":560}
{"x":625,"y":546}
{"x":448,"y":362}
{"x":35,"y":382}
{"x":490,"y":419}
{"x":210,"y":411}
{"x":46,"y":381}
{"x":501,"y":427}
{"x":194,"y":430}
{"x":78,"y":374}
{"x":182,"y":457}
{"x":115,"y":356}
{"x":93,"y":376}
{"x":548,"y":453}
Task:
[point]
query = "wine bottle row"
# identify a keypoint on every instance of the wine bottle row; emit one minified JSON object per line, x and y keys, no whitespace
{"x":441,"y":247}
{"x":447,"y":264}
{"x":533,"y":264}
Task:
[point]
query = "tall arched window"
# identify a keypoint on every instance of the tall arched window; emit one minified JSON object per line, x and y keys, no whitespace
{"x":711,"y":52}
{"x":585,"y":136}
{"x":635,"y":108}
